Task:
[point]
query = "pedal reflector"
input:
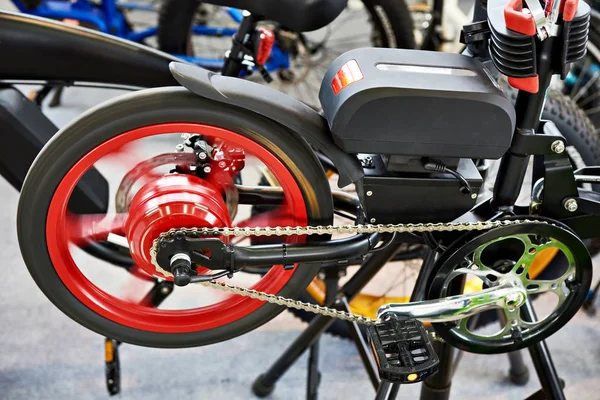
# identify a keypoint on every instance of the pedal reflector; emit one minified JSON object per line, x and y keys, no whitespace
{"x":402,"y":349}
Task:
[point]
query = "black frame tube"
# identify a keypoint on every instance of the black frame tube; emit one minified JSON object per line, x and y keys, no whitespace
{"x":542,"y":361}
{"x":528,"y":107}
{"x":233,"y":63}
{"x":286,"y":254}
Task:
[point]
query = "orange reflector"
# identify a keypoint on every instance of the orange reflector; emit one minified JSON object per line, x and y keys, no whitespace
{"x":108,"y":351}
{"x":71,"y":21}
{"x":348,"y":74}
{"x":412,"y":377}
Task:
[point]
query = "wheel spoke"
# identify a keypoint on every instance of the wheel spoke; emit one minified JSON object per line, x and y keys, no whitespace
{"x":587,"y":85}
{"x":84,"y":228}
{"x":588,"y":99}
{"x":543,"y":286}
{"x":531,"y":251}
{"x":482,"y":272}
{"x":514,"y":321}
{"x":125,"y":158}
{"x":276,"y":217}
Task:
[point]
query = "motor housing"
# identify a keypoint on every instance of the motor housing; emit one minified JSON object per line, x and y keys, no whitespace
{"x":171,"y":202}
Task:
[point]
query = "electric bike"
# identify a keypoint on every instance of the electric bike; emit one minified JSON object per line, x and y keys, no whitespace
{"x":403,"y":126}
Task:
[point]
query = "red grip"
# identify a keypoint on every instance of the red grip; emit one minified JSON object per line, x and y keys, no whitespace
{"x":530,"y":84}
{"x":568,"y":9}
{"x":518,"y":21}
{"x":265,"y":45}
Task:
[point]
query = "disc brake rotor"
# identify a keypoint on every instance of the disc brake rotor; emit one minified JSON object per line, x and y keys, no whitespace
{"x":504,"y":256}
{"x":146,"y":171}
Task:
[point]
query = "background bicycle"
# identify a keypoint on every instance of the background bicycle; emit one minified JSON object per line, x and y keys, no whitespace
{"x":201,"y":33}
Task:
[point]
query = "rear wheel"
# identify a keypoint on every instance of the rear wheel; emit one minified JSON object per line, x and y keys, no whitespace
{"x":133,"y":141}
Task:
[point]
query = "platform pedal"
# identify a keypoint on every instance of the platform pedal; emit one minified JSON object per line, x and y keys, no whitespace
{"x":402,"y":349}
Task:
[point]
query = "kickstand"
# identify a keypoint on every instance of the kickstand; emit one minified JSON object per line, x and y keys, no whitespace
{"x":112,"y":371}
{"x":331,"y":278}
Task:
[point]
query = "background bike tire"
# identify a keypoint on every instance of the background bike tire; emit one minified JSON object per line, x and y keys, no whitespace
{"x":176,"y":17}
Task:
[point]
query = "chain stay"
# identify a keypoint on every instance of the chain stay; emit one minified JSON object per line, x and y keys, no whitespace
{"x":319,"y":230}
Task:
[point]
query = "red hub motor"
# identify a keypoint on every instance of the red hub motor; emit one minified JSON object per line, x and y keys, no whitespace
{"x":173,"y":201}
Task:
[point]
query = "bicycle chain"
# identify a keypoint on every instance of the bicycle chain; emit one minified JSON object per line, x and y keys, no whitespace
{"x":317,"y":230}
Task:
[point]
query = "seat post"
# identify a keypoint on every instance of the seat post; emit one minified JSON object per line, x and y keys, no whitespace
{"x":235,"y":58}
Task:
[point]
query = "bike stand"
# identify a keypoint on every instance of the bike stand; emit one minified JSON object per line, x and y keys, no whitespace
{"x":331,"y":277}
{"x":265,"y":383}
{"x":112,"y":370}
{"x":436,"y":387}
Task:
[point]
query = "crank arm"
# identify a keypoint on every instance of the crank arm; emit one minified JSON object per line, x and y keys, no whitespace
{"x":587,"y":178}
{"x":458,"y":307}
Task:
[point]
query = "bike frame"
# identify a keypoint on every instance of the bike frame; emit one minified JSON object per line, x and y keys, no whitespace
{"x":532,"y":137}
{"x":108,"y":17}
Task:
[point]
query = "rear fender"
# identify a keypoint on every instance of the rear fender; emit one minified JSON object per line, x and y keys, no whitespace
{"x":274,"y":105}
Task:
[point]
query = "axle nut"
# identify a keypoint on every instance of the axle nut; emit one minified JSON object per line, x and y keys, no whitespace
{"x":558,"y":146}
{"x":571,"y":205}
{"x":514,"y":299}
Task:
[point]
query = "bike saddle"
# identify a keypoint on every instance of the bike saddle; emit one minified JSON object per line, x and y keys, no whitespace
{"x":297,"y":15}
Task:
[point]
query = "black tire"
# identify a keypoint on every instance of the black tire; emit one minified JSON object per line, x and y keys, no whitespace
{"x":571,"y":121}
{"x":581,"y":135}
{"x":141,"y":109}
{"x":575,"y":126}
{"x":392,"y":19}
{"x":174,"y":25}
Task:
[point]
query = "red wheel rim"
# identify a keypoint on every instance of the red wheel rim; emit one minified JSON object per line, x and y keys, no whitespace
{"x":147,"y":318}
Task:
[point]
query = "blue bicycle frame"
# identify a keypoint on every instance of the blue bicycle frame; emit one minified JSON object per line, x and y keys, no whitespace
{"x":109,"y":18}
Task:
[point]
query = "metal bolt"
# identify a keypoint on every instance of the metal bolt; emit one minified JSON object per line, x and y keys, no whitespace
{"x":473,"y":196}
{"x":165,"y":290}
{"x":207,"y":169}
{"x":513,"y":299}
{"x":180,"y":148}
{"x":474,"y":267}
{"x":571,"y":205}
{"x":222,"y":164}
{"x":558,"y":146}
{"x":202,"y":155}
{"x":367,"y":162}
{"x":369,"y":193}
{"x":373,"y":220}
